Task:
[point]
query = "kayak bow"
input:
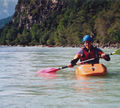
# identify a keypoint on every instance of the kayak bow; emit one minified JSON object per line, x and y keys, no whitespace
{"x":91,"y":70}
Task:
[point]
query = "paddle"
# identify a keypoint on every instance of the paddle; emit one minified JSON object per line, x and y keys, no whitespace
{"x":115,"y":52}
{"x":54,"y":70}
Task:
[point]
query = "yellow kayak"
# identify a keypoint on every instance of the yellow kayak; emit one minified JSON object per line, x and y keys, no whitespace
{"x":91,"y":70}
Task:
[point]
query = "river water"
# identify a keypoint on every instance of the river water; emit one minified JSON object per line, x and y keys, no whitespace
{"x":21,"y":87}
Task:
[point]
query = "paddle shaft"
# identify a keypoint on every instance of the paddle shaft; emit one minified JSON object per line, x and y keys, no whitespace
{"x":77,"y":64}
{"x":115,"y":52}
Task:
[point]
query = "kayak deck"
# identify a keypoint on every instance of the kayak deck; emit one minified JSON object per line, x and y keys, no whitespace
{"x":91,"y":70}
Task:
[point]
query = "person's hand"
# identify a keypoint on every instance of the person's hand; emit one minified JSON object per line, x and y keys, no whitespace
{"x":102,"y":55}
{"x":74,"y":61}
{"x":70,"y":65}
{"x":105,"y":56}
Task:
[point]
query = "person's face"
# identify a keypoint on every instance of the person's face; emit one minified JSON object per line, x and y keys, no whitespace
{"x":87,"y":44}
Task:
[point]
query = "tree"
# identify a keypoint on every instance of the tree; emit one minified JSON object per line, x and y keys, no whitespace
{"x":35,"y":33}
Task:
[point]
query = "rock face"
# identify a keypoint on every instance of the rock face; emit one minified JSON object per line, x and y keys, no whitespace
{"x":29,"y":12}
{"x":5,"y":21}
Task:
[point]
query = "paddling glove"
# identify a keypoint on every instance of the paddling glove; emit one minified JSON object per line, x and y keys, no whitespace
{"x":74,"y":61}
{"x":107,"y":57}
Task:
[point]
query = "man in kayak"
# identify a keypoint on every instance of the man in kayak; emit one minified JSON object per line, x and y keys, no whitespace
{"x":88,"y":52}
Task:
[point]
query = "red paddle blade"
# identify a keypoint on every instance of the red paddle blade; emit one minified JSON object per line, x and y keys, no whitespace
{"x":49,"y":73}
{"x":48,"y":70}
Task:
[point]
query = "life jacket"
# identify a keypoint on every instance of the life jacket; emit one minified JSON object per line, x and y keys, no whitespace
{"x":88,"y":54}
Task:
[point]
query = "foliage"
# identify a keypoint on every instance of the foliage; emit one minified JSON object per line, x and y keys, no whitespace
{"x":68,"y":25}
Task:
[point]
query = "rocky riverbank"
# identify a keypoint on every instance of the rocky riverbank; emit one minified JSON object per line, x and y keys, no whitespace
{"x":116,"y":45}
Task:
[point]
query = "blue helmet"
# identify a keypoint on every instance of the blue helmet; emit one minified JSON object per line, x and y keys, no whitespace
{"x":87,"y":38}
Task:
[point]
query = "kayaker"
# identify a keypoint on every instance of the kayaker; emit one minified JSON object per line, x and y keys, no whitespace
{"x":88,"y":52}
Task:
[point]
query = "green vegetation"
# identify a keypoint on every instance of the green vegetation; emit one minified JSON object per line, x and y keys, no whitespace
{"x":68,"y":25}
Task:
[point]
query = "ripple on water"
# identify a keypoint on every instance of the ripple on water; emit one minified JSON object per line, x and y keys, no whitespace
{"x":21,"y":87}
